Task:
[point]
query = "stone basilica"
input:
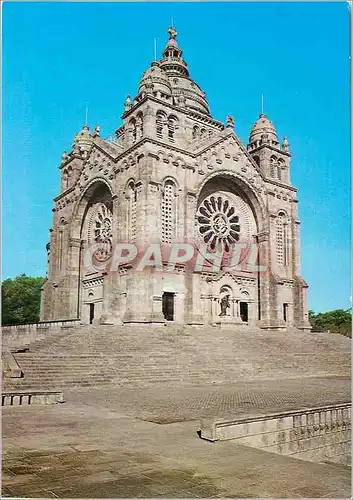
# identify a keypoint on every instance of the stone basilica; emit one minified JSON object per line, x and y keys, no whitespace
{"x":173,"y":174}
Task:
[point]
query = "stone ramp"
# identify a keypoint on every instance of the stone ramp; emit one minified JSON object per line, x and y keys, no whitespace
{"x":145,"y":356}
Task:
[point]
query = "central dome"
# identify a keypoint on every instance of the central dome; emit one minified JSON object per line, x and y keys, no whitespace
{"x":170,"y":77}
{"x":195,"y":97}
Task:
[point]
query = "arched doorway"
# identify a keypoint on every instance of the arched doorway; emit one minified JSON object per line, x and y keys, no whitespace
{"x":95,"y":213}
{"x":244,"y":307}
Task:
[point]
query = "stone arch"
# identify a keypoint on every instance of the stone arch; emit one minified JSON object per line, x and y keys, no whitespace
{"x":93,"y":187}
{"x":172,"y":179}
{"x":132,"y":129}
{"x":273,"y":166}
{"x":169,"y":209}
{"x":233,"y":182}
{"x":282,"y":238}
{"x":256,"y":160}
{"x":161,"y":117}
{"x":172,"y":126}
{"x":195,"y":132}
{"x":131,"y":193}
{"x":139,"y":125}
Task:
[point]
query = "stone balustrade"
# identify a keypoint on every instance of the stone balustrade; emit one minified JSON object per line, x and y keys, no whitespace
{"x":17,"y":336}
{"x":314,"y":434}
{"x":29,"y":397}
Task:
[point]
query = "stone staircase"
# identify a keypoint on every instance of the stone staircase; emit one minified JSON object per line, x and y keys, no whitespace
{"x":146,"y":355}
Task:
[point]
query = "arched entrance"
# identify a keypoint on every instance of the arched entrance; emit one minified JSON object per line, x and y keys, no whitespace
{"x":244,"y":307}
{"x":94,"y":218}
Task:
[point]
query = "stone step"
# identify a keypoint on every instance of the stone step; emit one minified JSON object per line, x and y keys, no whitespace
{"x":145,"y":356}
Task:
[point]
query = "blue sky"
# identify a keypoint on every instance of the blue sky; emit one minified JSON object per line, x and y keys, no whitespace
{"x":59,"y":58}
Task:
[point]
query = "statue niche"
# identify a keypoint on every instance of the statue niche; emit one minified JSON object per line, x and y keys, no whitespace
{"x":225,"y":300}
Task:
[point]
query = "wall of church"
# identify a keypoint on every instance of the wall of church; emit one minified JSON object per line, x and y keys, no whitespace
{"x":159,"y":190}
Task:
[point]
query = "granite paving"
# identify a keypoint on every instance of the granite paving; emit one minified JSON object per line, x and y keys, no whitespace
{"x":101,"y":445}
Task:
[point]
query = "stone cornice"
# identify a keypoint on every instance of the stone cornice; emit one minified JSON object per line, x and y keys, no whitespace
{"x":192,"y":114}
{"x":64,"y":193}
{"x":269,"y":146}
{"x":279,"y":184}
{"x":70,"y":158}
{"x":156,"y":142}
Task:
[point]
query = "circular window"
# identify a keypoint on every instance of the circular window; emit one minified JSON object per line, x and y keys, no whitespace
{"x":218,"y":221}
{"x":103,"y":225}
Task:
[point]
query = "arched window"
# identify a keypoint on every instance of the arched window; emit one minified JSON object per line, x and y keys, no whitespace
{"x":169,"y":212}
{"x":132,"y":130}
{"x":195,"y":132}
{"x":60,"y":249}
{"x":273,"y":165}
{"x":282,"y":251}
{"x":172,"y":121}
{"x":280,"y":171}
{"x":257,"y":160}
{"x":131,"y":212}
{"x":139,"y":125}
{"x":65,"y":179}
{"x":203,"y":133}
{"x":160,"y":118}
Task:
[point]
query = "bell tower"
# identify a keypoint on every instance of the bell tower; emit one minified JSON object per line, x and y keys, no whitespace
{"x":272,"y":158}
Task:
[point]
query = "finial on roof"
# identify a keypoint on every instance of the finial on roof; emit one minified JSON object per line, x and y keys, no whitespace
{"x":285,"y":145}
{"x":128,"y":104}
{"x":172,"y":32}
{"x":230,"y":121}
{"x":64,"y":157}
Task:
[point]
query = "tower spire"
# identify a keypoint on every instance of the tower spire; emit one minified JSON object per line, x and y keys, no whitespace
{"x":155,"y":49}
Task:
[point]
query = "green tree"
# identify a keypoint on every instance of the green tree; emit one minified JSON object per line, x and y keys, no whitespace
{"x":336,"y":321}
{"x":20,"y":300}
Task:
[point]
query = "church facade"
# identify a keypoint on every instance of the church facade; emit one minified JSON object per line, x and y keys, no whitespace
{"x":174,"y":175}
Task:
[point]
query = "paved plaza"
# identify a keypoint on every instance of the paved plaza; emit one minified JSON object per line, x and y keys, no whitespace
{"x":108,"y":443}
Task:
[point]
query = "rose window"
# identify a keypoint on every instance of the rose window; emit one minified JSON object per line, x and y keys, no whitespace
{"x":103,"y":225}
{"x":218,"y":222}
{"x":103,"y":233}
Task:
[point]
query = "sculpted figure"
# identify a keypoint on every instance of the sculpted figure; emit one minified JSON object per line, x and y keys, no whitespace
{"x":128,"y":104}
{"x":224,"y":305}
{"x":230,"y":121}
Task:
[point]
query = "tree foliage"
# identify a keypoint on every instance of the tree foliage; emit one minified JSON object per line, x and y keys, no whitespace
{"x":337,"y":321}
{"x":20,"y":300}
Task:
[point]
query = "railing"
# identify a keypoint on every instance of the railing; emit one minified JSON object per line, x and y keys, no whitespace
{"x":31,"y":397}
{"x":16,"y":336}
{"x":8,"y":329}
